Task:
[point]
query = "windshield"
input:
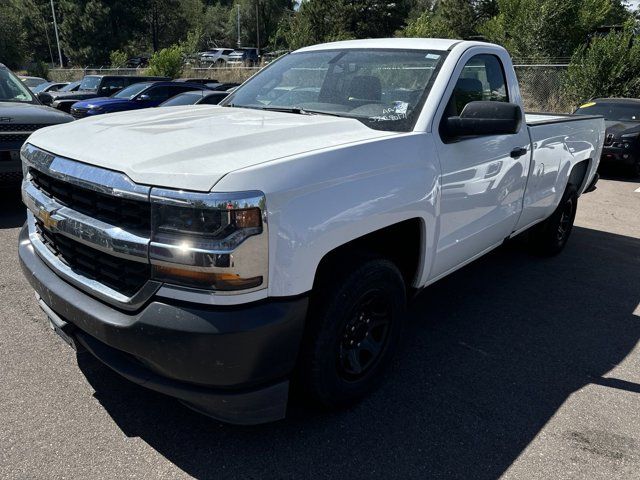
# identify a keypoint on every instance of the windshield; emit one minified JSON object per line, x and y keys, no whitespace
{"x":613,"y":112}
{"x":12,"y":89}
{"x":41,"y":87}
{"x":90,"y":83}
{"x":131,"y":91}
{"x":189,"y":98}
{"x":384,"y":89}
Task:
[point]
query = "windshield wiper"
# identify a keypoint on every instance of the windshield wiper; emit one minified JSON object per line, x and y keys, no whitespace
{"x":301,"y":111}
{"x":295,"y":110}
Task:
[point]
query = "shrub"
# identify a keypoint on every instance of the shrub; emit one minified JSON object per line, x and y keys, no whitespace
{"x":39,"y":69}
{"x":166,"y":62}
{"x":608,"y":67}
{"x":118,"y":58}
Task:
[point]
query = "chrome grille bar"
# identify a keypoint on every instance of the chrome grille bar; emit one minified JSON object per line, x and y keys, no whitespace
{"x":89,"y":285}
{"x":102,"y":236}
{"x":86,"y":176}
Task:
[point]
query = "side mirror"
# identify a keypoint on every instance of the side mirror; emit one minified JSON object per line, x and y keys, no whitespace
{"x":484,"y":118}
{"x":143,"y":98}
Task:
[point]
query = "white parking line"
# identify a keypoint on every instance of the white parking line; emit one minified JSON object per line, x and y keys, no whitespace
{"x":637,"y":191}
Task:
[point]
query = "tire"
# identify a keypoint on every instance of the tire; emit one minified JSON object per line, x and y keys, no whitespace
{"x":353,"y":330}
{"x":635,"y":169}
{"x":550,"y":237}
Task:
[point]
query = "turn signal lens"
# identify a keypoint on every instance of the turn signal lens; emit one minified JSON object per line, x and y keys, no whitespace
{"x":249,"y":218}
{"x":206,"y":280}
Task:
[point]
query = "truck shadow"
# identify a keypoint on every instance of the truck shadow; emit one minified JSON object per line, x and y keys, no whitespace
{"x":491,"y":353}
{"x":12,"y":210}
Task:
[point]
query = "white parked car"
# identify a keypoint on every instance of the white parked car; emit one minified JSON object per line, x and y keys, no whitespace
{"x":218,"y":56}
{"x":209,"y":252}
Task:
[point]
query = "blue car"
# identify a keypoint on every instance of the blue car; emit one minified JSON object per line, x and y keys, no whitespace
{"x":133,"y":97}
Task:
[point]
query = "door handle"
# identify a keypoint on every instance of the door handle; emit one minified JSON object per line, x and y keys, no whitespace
{"x":518,"y":152}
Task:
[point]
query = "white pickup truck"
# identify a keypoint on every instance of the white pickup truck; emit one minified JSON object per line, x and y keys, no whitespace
{"x":218,"y":253}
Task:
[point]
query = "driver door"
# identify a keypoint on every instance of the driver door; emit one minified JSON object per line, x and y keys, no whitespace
{"x":483,"y":177}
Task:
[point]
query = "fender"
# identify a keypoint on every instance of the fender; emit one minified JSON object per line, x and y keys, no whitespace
{"x":320,"y":201}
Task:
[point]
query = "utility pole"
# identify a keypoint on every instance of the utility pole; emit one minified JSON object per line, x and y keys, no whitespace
{"x":55,"y":26}
{"x":257,"y":27}
{"x":239,"y":42}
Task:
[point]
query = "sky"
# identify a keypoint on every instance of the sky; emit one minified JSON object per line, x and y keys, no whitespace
{"x":634,"y":3}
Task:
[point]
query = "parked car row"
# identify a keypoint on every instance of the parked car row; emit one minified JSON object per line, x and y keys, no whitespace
{"x":97,"y":94}
{"x":25,"y":109}
{"x":245,"y":56}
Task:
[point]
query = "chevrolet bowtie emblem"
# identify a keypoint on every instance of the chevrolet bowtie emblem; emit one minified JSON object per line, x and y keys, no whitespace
{"x":47,"y":219}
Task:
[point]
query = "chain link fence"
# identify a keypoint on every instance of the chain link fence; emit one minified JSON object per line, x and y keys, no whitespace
{"x":542,"y":88}
{"x":223,"y":74}
{"x":540,"y":84}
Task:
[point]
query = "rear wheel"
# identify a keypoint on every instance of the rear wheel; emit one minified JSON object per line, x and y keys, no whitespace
{"x":354,"y":327}
{"x":550,"y":237}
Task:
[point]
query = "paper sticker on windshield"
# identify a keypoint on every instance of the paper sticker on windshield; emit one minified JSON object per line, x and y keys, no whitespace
{"x":587,"y":105}
{"x":400,"y":107}
{"x":432,"y":56}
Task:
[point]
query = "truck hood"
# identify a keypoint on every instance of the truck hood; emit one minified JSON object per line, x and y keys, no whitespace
{"x":13,"y":113}
{"x":77,"y":95}
{"x":622,"y":128}
{"x":193,"y":147}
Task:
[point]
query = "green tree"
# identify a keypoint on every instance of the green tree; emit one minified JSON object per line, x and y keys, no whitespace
{"x":608,"y":67}
{"x":166,"y":62}
{"x":446,"y":19}
{"x":316,"y":21}
{"x":168,"y":21}
{"x":118,"y":58}
{"x":12,"y":42}
{"x":549,"y":28}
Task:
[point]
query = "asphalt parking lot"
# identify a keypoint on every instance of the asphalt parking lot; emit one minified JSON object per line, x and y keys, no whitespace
{"x":513,"y":367}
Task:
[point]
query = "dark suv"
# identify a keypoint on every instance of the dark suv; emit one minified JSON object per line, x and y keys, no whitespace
{"x":622,"y":139}
{"x":134,"y":97}
{"x":93,"y":86}
{"x":20,"y":115}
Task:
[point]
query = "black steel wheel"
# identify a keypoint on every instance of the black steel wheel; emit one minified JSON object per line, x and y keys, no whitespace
{"x":353,"y":329}
{"x":365,"y":335}
{"x":550,"y":237}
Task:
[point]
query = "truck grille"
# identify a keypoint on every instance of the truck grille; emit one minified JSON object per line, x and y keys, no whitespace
{"x":17,"y":133}
{"x":127,"y":214}
{"x":21,"y":127}
{"x":10,"y":177}
{"x":123,"y":276}
{"x":13,"y":137}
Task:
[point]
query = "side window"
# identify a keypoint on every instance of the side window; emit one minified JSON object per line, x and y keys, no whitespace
{"x":482,"y":78}
{"x":111,"y":86}
{"x":175,"y":90}
{"x":212,"y":99}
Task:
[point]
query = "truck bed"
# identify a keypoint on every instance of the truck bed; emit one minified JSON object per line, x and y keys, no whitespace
{"x":539,"y":118}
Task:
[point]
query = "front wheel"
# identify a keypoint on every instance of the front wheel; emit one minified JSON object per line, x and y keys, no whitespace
{"x":354,"y":328}
{"x":550,"y":237}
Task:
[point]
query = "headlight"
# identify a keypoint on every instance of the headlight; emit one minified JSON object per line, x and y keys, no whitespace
{"x":209,"y":241}
{"x":629,"y":136}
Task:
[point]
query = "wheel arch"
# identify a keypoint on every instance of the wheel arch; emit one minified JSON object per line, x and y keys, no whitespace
{"x":403,"y":243}
{"x":578,"y":174}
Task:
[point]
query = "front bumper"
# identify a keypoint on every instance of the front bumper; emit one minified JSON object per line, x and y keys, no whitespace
{"x":619,"y":156}
{"x":230,"y":363}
